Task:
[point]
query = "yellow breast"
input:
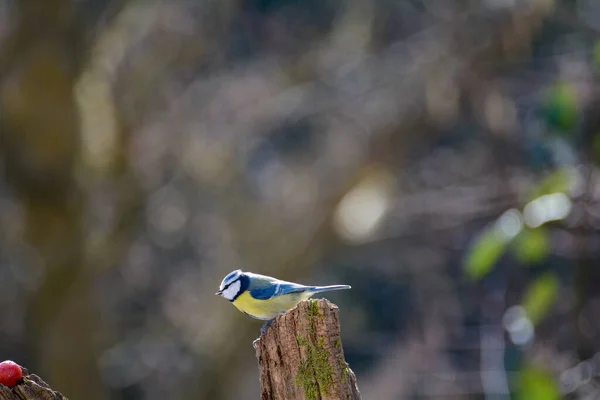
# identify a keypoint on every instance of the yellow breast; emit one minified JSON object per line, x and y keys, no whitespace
{"x":268,"y":309}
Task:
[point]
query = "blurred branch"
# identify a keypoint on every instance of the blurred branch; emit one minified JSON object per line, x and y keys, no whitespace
{"x":40,"y":144}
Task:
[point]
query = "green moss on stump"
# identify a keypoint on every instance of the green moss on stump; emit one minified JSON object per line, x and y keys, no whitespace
{"x":314,"y":374}
{"x":313,"y":309}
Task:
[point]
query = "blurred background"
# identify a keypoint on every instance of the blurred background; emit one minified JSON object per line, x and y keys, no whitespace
{"x":440,"y":156}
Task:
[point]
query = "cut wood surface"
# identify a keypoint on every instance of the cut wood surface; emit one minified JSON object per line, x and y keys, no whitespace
{"x":32,"y":387}
{"x":300,"y":356}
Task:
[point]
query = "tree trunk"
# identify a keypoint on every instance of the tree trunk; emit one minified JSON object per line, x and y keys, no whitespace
{"x":31,"y":388}
{"x":300,"y":356}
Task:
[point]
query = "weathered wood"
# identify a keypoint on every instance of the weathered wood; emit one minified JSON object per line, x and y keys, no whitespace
{"x":32,"y":387}
{"x":300,"y":356}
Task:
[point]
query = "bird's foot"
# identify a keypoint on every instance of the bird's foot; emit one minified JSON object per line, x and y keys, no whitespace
{"x":264,"y":327}
{"x":262,"y":333}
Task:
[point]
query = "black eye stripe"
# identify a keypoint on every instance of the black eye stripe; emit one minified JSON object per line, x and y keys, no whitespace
{"x":229,"y":284}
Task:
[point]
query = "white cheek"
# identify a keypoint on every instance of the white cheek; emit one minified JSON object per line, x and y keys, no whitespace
{"x":232,"y":290}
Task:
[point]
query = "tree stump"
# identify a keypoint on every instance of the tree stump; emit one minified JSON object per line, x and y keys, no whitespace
{"x":300,"y":356}
{"x":32,"y":387}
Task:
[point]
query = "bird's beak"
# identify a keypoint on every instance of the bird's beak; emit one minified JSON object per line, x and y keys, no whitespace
{"x":219,"y":293}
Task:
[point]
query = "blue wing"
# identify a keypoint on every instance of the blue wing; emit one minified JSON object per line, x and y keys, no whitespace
{"x":263,"y":293}
{"x":277,"y":288}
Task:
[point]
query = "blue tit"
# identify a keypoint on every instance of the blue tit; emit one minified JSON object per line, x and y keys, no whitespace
{"x":263,"y":297}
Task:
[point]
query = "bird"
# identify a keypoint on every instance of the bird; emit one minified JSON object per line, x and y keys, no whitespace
{"x":264,"y":297}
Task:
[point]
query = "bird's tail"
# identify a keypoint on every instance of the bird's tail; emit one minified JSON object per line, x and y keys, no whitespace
{"x":319,"y":289}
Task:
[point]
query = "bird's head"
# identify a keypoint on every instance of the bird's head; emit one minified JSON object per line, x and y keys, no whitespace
{"x":232,"y":285}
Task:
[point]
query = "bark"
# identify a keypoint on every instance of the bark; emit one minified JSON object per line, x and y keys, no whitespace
{"x":32,"y":387}
{"x":300,"y":356}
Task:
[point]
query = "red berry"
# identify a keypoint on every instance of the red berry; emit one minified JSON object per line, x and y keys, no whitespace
{"x":10,"y":373}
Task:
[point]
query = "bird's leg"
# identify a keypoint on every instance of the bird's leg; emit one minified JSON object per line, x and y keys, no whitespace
{"x":264,"y":327}
{"x":262,"y":332}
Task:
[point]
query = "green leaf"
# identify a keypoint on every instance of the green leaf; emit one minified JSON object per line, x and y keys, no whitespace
{"x":491,"y":244}
{"x":560,"y":107}
{"x":537,"y":384}
{"x":540,"y":296}
{"x":484,"y":253}
{"x":558,"y":181}
{"x":531,"y":246}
